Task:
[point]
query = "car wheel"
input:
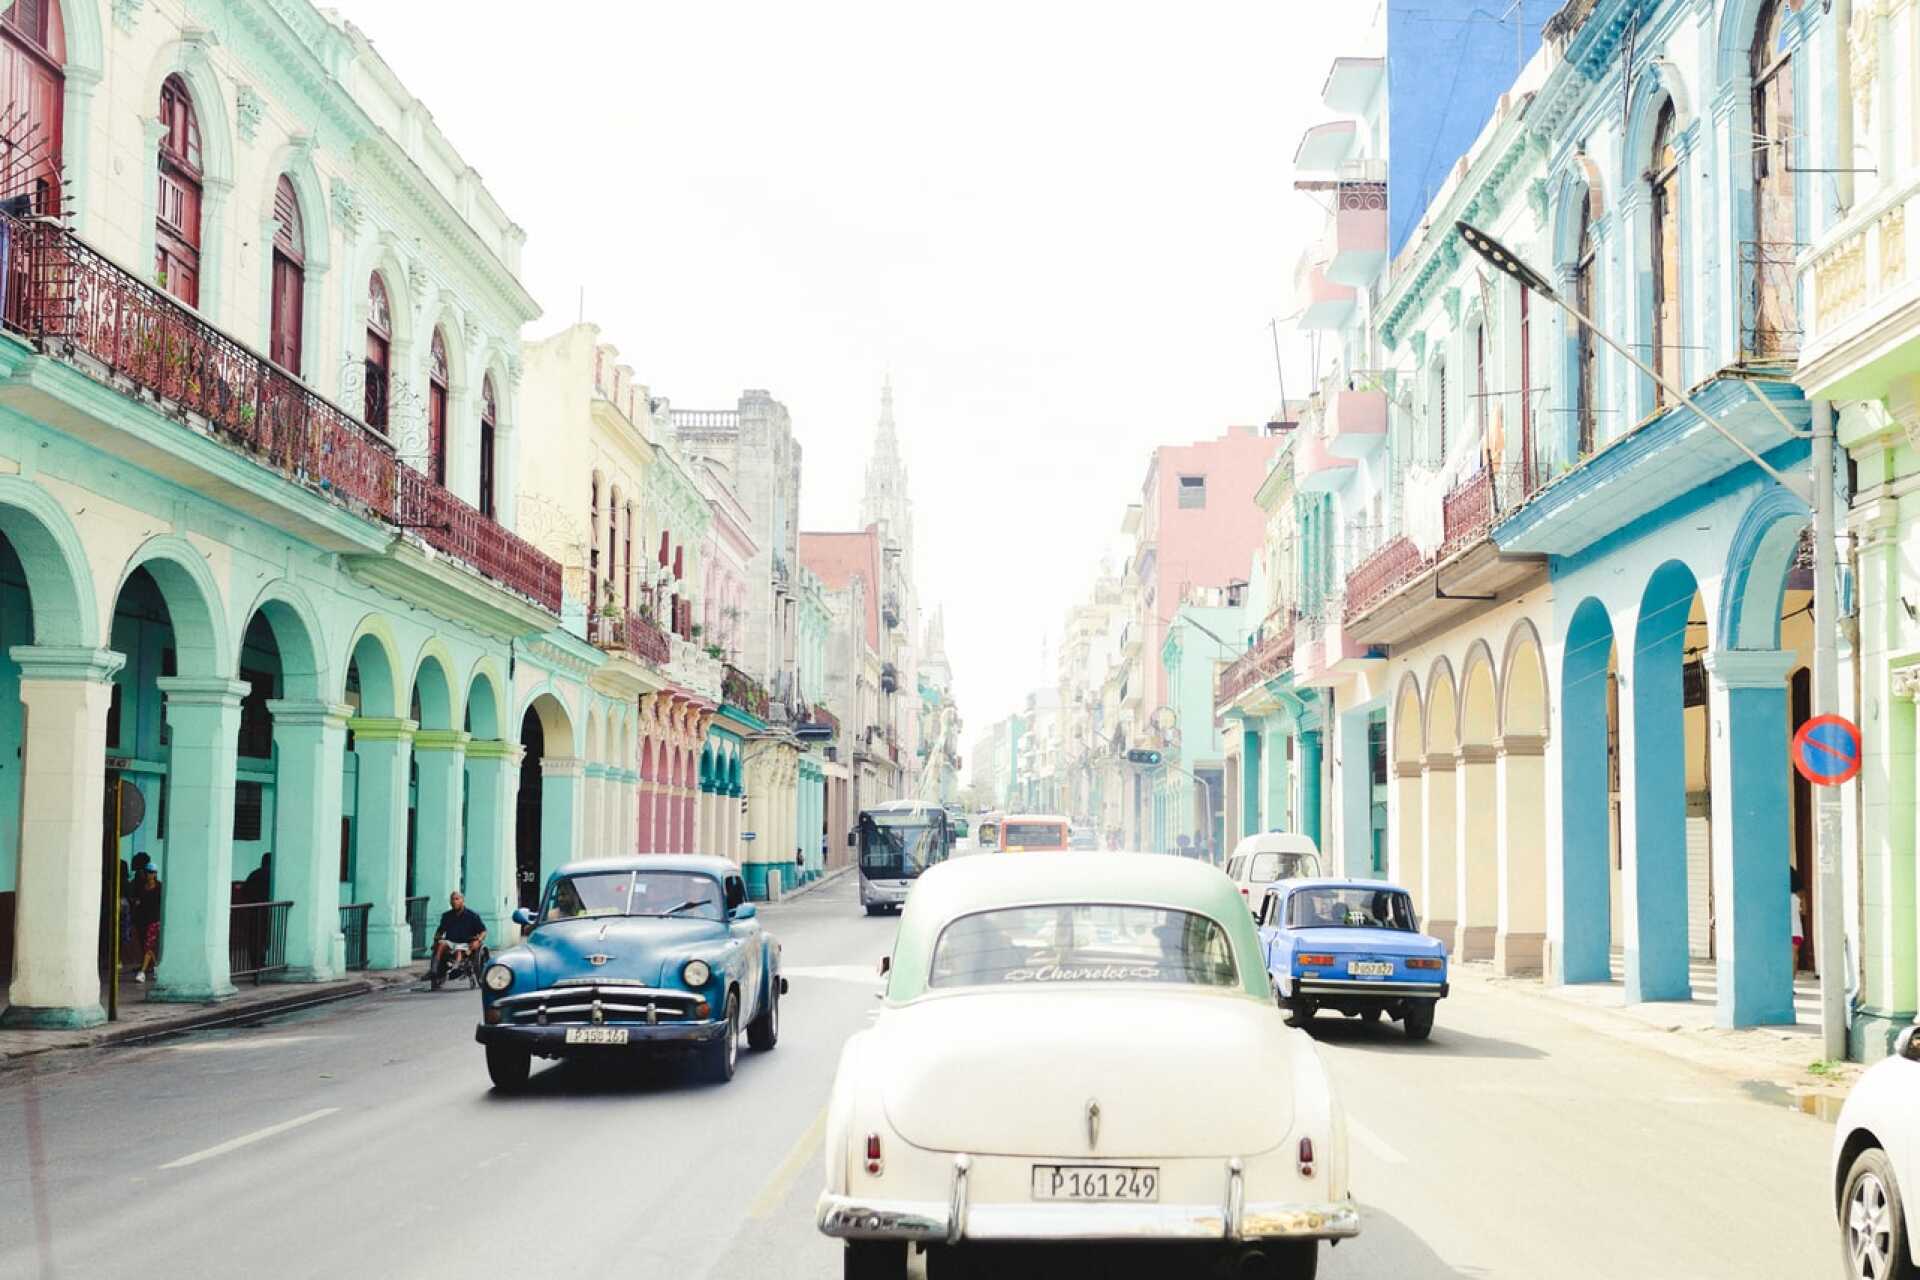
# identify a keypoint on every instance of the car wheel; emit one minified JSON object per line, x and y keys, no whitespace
{"x":948,"y":1262}
{"x":1299,"y":1012}
{"x":871,"y":909}
{"x":764,"y":1031}
{"x":1295,"y":1259}
{"x":508,"y":1067}
{"x":723,"y":1055}
{"x":1872,"y":1220}
{"x":1419,"y":1020}
{"x":875,"y":1260}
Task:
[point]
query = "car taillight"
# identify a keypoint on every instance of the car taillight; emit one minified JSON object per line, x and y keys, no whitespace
{"x":874,"y":1163}
{"x":1305,"y":958}
{"x":1306,"y":1157}
{"x":1426,"y":962}
{"x":1243,"y":891}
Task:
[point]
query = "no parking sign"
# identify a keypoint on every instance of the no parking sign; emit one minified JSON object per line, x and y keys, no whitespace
{"x":1826,"y":751}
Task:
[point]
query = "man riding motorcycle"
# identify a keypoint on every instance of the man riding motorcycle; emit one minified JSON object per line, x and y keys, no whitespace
{"x":460,"y":926}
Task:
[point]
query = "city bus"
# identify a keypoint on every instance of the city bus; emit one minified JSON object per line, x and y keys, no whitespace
{"x":1034,"y":832}
{"x":897,"y":841}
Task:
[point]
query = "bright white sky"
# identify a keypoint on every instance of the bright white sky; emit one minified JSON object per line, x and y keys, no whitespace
{"x":1062,"y":228}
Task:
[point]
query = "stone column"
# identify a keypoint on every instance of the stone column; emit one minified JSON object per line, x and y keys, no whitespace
{"x":1752,"y":835}
{"x":493,"y":789}
{"x":1409,"y":857}
{"x":593,"y":793}
{"x":1279,"y":802}
{"x":56,"y":978}
{"x":1476,"y":856}
{"x":440,"y":757}
{"x":560,"y":781}
{"x":196,"y":904}
{"x":308,"y":741}
{"x":384,"y":750}
{"x":1437,"y":871}
{"x":1251,"y":820}
{"x":1519,"y":947}
{"x":1889,"y":938}
{"x":1310,"y":824}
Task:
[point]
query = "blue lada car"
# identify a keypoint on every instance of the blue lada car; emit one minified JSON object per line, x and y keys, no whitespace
{"x":634,"y":954}
{"x":1353,"y":946}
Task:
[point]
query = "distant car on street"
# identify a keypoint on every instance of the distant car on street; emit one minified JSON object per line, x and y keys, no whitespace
{"x":1015,"y":1086}
{"x":1033,"y":832}
{"x":628,"y":954}
{"x":1081,"y":836}
{"x":1354,"y":947}
{"x":1259,"y":860}
{"x":1876,"y":1165}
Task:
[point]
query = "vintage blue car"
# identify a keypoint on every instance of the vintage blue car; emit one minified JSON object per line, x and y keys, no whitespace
{"x":645,"y":953}
{"x":1353,"y":946}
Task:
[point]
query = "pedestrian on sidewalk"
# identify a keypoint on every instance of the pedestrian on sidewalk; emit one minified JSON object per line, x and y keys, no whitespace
{"x":145,"y":910}
{"x":1799,"y":917}
{"x":799,"y":867}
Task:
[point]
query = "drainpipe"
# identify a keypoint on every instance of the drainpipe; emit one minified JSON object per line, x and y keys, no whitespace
{"x":1842,"y":14}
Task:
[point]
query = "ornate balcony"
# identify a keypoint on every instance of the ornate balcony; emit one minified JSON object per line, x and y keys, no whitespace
{"x":1466,"y":513}
{"x":1382,"y":573}
{"x":695,"y":670}
{"x":76,"y":306}
{"x":1356,"y":245}
{"x":1270,"y":658}
{"x":630,"y":632}
{"x":741,"y":690}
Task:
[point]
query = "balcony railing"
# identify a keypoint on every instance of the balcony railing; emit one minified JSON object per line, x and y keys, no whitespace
{"x":1258,"y":665}
{"x":75,"y":304}
{"x":743,"y":691}
{"x":1466,"y":514}
{"x":824,"y":717}
{"x":257,"y":938}
{"x":353,"y":926}
{"x":417,"y":924}
{"x":630,"y":632}
{"x":1394,"y":565}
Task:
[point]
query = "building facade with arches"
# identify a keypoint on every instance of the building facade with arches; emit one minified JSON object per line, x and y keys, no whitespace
{"x":257,"y":462}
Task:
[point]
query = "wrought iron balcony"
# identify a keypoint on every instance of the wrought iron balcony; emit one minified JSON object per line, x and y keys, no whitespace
{"x":76,"y":306}
{"x":1466,"y":513}
{"x":1356,"y":245}
{"x":1271,"y":657}
{"x":1394,"y":565}
{"x":741,"y":690}
{"x":630,"y":632}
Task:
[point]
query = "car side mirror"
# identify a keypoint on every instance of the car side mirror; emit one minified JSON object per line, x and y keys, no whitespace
{"x":523,"y":917}
{"x":886,"y":965}
{"x":1907,"y":1044}
{"x":736,"y":894}
{"x":745,"y":912}
{"x":849,"y":839}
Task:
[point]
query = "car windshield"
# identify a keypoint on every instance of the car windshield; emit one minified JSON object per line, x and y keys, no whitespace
{"x":1350,"y":908}
{"x":627,"y":893}
{"x":1034,"y":835}
{"x":1283,"y":866}
{"x":899,"y":846}
{"x":1082,"y":942}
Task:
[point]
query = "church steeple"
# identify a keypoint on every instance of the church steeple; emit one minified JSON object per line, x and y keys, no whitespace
{"x":885,"y":500}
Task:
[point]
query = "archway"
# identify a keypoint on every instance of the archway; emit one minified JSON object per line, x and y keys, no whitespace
{"x":593,"y":787}
{"x":1441,"y":793}
{"x":1666,"y":881}
{"x":1409,"y":773}
{"x":1479,"y":819}
{"x":550,"y":777}
{"x":493,"y":762}
{"x":1520,"y":944}
{"x":1589,"y":791}
{"x":435,"y":818}
{"x":375,"y":835}
{"x":644,"y":824}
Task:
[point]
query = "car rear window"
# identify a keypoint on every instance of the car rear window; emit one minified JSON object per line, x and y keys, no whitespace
{"x":1352,"y":908}
{"x":1034,"y":835}
{"x":1276,"y":866}
{"x":1082,"y":942}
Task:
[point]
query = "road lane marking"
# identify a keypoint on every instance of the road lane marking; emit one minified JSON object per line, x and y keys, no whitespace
{"x":241,"y":1042}
{"x":836,"y":972}
{"x":248,"y":1139}
{"x":775,"y":1192}
{"x":1378,"y":1146}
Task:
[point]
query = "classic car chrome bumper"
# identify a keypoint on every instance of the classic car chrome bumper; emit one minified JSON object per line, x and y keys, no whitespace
{"x":1371,"y":990}
{"x":551,"y":1041}
{"x":957,"y":1219}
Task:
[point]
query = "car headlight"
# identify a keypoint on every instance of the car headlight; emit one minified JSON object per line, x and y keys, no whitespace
{"x":499,"y":977}
{"x":696,"y":973}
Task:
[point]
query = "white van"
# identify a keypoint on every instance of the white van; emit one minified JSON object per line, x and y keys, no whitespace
{"x":1260,"y":860}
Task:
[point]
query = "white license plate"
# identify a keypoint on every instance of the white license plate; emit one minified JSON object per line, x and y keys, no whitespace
{"x":596,"y":1035}
{"x":1095,"y":1182}
{"x":1369,"y":969}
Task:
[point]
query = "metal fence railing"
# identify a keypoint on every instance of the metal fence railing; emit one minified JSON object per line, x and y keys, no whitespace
{"x":417,"y":924}
{"x":257,"y":939}
{"x":353,"y":923}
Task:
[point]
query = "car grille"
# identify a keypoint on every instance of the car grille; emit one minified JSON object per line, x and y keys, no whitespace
{"x":587,"y":1001}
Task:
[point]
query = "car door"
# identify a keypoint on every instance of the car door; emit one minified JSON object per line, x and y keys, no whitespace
{"x":1269,"y":931}
{"x":746,"y":943}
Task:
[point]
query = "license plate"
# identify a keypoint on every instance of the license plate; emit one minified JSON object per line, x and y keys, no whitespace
{"x":1095,"y":1182}
{"x":596,"y":1035}
{"x":1369,"y":969}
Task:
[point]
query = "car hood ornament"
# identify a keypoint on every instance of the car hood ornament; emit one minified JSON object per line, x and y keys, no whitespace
{"x":598,"y":958}
{"x":1093,"y":1124}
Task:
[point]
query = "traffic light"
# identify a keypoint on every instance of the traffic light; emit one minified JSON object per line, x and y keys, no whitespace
{"x":1143,"y":757}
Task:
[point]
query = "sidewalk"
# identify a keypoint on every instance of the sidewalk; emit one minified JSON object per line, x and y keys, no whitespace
{"x":819,"y":883}
{"x":142,"y":1019}
{"x":1780,"y":1057}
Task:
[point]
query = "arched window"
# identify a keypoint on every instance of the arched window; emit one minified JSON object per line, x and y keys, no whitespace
{"x":33,"y":55}
{"x":613,"y":544}
{"x":1480,"y":378}
{"x":379,"y":353}
{"x":1769,"y":260}
{"x":626,"y":558}
{"x":1437,"y":412}
{"x":437,"y":409}
{"x":1663,"y":179}
{"x":289,"y":277}
{"x":176,"y":246}
{"x":489,"y":417}
{"x":1586,"y":300}
{"x":593,"y":554}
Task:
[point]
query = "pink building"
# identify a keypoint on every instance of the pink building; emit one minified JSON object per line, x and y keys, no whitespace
{"x":1199,"y":527}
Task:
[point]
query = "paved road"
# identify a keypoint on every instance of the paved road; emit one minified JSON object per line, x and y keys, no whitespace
{"x":362,"y":1139}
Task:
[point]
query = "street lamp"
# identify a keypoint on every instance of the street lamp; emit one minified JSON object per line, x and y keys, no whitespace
{"x":1818,"y":495}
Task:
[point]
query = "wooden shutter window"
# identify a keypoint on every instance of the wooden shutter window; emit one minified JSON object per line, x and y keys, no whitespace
{"x":289,"y":277}
{"x":176,"y":250}
{"x":488,"y":417}
{"x":437,"y":409}
{"x":33,"y":55}
{"x":379,"y":352}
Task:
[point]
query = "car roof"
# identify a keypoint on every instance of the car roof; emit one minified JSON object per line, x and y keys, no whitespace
{"x":1276,"y":842}
{"x":1035,"y":817}
{"x":703,"y":863}
{"x":904,"y":806}
{"x":1333,"y":882}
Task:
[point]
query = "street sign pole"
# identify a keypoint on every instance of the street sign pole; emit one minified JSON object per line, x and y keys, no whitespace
{"x":1829,"y":935}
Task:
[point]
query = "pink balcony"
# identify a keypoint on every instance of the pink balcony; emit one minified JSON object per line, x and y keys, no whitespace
{"x":1324,"y":303}
{"x":1323,"y":147}
{"x":1356,"y":423}
{"x":1351,"y":84}
{"x":1356,"y":247}
{"x":1316,"y":468}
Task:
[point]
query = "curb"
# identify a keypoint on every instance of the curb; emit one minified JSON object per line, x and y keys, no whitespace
{"x":811,"y":885}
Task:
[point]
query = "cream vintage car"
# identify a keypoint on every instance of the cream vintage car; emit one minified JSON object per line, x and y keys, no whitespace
{"x":1035,"y":1077}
